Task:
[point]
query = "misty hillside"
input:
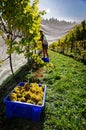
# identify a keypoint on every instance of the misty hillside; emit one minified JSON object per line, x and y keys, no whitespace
{"x":55,"y":29}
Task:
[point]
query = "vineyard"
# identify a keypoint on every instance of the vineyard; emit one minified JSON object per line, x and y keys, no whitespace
{"x":73,"y":44}
{"x":65,"y":77}
{"x":65,"y":105}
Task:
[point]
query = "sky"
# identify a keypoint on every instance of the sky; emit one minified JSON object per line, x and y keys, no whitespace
{"x":69,"y":10}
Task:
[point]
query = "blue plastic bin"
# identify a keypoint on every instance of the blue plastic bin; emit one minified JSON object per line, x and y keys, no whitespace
{"x":22,"y":109}
{"x":45,"y":59}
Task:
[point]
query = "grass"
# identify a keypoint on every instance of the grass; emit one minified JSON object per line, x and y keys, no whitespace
{"x":65,"y":105}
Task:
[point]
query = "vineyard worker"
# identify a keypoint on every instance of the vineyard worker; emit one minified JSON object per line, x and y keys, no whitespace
{"x":44,"y":44}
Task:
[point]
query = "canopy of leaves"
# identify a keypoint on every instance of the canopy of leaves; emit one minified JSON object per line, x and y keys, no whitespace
{"x":20,"y":18}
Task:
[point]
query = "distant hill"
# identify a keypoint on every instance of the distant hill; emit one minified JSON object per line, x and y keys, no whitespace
{"x":55,"y":29}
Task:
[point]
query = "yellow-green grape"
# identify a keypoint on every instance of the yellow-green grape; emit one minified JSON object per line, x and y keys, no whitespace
{"x":23,"y":99}
{"x":28,"y":101}
{"x":13,"y":96}
{"x":39,"y":103}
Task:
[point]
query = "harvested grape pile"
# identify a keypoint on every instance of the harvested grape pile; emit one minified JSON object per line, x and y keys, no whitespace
{"x":29,"y":93}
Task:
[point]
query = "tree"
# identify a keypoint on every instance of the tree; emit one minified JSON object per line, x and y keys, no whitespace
{"x":71,"y":39}
{"x":31,"y":27}
{"x":8,"y":24}
{"x":19,"y":19}
{"x":83,"y":33}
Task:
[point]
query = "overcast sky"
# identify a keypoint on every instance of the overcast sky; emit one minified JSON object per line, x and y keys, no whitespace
{"x":70,"y":10}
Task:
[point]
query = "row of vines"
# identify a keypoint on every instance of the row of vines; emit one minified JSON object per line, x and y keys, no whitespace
{"x":73,"y":43}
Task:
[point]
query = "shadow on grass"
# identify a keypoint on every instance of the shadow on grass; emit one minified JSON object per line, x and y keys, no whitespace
{"x":16,"y":123}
